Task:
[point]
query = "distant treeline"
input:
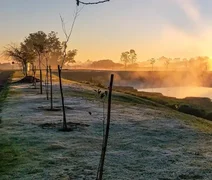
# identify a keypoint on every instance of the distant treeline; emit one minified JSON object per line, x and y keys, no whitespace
{"x":160,"y":64}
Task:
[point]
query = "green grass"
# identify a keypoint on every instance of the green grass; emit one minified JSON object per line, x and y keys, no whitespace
{"x":3,"y":95}
{"x":199,"y":107}
{"x":9,"y":152}
{"x":195,"y":122}
{"x":10,"y":156}
{"x":89,"y":95}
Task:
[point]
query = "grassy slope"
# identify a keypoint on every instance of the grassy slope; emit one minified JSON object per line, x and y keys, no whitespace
{"x":197,"y":115}
{"x":200,"y":107}
{"x":8,"y":151}
{"x":154,"y":101}
{"x":11,"y":153}
{"x":197,"y":107}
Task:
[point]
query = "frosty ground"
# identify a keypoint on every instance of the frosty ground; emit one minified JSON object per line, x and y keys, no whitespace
{"x":146,"y":141}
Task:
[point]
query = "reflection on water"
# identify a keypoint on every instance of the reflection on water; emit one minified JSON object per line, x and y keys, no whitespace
{"x":182,"y":92}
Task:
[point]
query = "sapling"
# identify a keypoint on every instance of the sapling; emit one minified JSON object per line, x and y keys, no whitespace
{"x":64,"y":58}
{"x":47,"y":75}
{"x":106,"y":132}
{"x":102,"y":95}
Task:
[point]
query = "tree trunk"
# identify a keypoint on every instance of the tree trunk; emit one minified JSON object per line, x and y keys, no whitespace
{"x":35,"y":81}
{"x":24,"y":69}
{"x":34,"y":76}
{"x":105,"y":140}
{"x":41,"y":87}
{"x":62,"y":98}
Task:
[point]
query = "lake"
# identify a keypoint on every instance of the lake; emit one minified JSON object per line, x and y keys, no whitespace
{"x":182,"y":92}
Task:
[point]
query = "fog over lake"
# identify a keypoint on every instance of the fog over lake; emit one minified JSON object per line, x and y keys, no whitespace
{"x":182,"y":92}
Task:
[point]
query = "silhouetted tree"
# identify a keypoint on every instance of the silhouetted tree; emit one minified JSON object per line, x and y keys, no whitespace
{"x":132,"y":56}
{"x":128,"y":57}
{"x":47,"y":45}
{"x":21,"y":54}
{"x":54,"y":49}
{"x":152,"y":62}
{"x":167,"y":62}
{"x":70,"y":57}
{"x":125,"y":58}
{"x":67,"y":56}
{"x":38,"y":43}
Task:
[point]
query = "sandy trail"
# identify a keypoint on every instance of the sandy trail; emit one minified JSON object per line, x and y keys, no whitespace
{"x":144,"y":143}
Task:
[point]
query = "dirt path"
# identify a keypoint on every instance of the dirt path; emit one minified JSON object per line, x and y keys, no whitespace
{"x":144,"y":143}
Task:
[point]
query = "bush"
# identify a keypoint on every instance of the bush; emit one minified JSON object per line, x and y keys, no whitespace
{"x":209,"y":116}
{"x":192,"y":110}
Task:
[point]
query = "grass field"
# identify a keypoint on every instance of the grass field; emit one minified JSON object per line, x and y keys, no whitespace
{"x":200,"y":107}
{"x":147,"y":140}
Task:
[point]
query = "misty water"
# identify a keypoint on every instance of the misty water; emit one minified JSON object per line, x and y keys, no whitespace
{"x":182,"y":92}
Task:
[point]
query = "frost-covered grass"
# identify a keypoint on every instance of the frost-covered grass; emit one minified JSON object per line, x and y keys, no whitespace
{"x":146,"y":141}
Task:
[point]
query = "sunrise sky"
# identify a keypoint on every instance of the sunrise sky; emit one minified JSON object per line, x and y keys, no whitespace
{"x":174,"y":28}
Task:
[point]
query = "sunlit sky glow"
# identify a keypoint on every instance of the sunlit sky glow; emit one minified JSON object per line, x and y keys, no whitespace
{"x":174,"y":28}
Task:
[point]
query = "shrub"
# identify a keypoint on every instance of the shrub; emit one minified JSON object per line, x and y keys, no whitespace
{"x":209,"y":116}
{"x":192,"y":110}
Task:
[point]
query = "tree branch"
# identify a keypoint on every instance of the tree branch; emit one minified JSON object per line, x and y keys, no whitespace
{"x":68,"y":35}
{"x":90,"y":3}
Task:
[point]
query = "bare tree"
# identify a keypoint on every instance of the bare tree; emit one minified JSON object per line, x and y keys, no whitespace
{"x":64,"y":57}
{"x":68,"y":35}
{"x":166,"y":63}
{"x":21,"y":54}
{"x":125,"y":58}
{"x":152,"y":62}
{"x":105,"y":137}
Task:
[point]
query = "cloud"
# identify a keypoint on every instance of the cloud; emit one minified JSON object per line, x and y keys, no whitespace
{"x":179,"y":43}
{"x":191,"y":9}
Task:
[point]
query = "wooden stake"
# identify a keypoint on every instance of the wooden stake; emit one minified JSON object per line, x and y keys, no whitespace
{"x":105,"y":140}
{"x":62,"y":98}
